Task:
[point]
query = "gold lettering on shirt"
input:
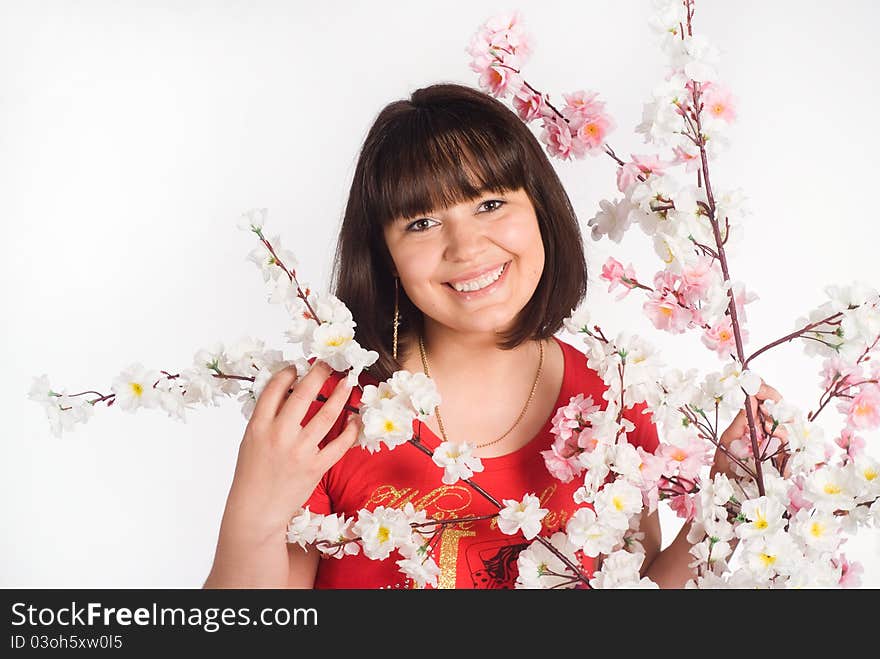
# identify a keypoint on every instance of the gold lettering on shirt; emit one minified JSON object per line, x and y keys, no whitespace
{"x":449,"y":556}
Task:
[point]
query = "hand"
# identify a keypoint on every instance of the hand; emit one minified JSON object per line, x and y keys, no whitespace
{"x":279,"y":461}
{"x":740,"y":425}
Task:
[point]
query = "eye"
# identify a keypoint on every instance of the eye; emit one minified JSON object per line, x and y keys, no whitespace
{"x":494,"y":204}
{"x":412,"y":225}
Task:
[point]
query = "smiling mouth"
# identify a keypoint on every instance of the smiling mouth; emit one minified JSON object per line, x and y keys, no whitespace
{"x":491,"y":285}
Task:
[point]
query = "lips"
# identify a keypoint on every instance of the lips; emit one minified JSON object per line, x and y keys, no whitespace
{"x":474,"y":274}
{"x":482,"y":292}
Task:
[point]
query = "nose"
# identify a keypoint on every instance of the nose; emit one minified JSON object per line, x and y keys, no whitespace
{"x":465,"y":241}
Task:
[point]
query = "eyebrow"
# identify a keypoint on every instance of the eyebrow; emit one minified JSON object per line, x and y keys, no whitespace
{"x":485,"y":192}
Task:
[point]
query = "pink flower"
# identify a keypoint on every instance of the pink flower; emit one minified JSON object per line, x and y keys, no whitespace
{"x":528,"y":104}
{"x":864,"y":410}
{"x":853,"y":445}
{"x":587,"y":118}
{"x":685,"y":460}
{"x":614,"y":272}
{"x":499,"y":81}
{"x":563,"y":469}
{"x":797,"y":500}
{"x":850,"y":572}
{"x":507,"y":33}
{"x":683,"y":505}
{"x":720,"y":338}
{"x":501,"y":40}
{"x":718,"y":101}
{"x":666,"y":313}
{"x":569,"y":420}
{"x":838,"y":371}
{"x":697,"y":280}
{"x":581,"y":104}
{"x":691,"y":160}
{"x":653,"y":466}
{"x":646,"y":166}
{"x":572,"y":438}
{"x":742,"y":297}
{"x":559,"y":140}
{"x":594,"y":130}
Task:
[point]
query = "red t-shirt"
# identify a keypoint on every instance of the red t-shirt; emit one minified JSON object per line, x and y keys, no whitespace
{"x":472,"y":554}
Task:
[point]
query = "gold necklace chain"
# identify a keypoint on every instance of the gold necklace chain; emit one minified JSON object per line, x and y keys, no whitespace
{"x":519,"y":418}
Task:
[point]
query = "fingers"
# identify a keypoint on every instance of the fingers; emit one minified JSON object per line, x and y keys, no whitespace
{"x":766,"y":392}
{"x":273,"y":395}
{"x":325,"y":418}
{"x":334,"y":450}
{"x":303,"y":394}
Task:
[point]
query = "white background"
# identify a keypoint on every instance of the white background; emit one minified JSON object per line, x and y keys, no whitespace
{"x":132,"y":135}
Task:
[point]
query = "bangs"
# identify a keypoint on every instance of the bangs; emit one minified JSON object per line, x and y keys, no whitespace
{"x":432,"y":161}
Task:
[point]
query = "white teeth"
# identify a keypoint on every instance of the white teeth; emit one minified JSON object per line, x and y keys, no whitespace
{"x":479,"y":282}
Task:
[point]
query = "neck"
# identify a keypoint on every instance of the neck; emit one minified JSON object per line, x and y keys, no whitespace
{"x":474,"y":355}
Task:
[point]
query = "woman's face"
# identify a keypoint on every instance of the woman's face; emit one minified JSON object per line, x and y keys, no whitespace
{"x":467,"y":245}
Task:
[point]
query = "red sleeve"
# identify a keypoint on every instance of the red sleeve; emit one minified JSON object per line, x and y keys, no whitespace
{"x":645,"y":433}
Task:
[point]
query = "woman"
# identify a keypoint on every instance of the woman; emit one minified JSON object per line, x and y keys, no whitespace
{"x":459,"y":256}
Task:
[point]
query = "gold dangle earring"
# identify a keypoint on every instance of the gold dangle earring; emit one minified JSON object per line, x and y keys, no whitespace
{"x":396,"y":319}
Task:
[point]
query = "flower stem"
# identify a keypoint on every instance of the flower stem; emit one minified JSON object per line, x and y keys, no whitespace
{"x":722,"y":258}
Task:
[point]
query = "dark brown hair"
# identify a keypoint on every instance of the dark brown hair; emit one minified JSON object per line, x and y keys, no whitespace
{"x":445,"y":145}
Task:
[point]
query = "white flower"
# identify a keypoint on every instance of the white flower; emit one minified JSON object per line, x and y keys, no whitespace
{"x":422,"y":570}
{"x":587,"y":533}
{"x":617,"y":502}
{"x":381,"y":531}
{"x":303,"y":527}
{"x":621,"y":570}
{"x":389,"y":422}
{"x":541,"y":568}
{"x":831,"y":488}
{"x":817,"y":530}
{"x":696,"y":55}
{"x":627,"y":462}
{"x":254,"y":219}
{"x":337,"y":529}
{"x":330,"y":309}
{"x":764,"y":517}
{"x":329,"y":342}
{"x":747,"y":380}
{"x":769,"y":555}
{"x":525,"y":516}
{"x":866,"y":471}
{"x":134,"y":388}
{"x":596,"y":465}
{"x":716,"y":492}
{"x":357,"y":359}
{"x":578,"y":321}
{"x":457,"y":461}
{"x":418,"y":389}
{"x":709,"y":552}
{"x":612,"y":220}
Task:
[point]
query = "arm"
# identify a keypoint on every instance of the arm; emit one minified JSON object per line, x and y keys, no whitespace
{"x":240,"y":564}
{"x":667,"y":568}
{"x":303,"y":566}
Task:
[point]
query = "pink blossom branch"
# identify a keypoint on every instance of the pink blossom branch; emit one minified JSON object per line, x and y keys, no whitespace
{"x":546,"y":97}
{"x":712,"y":437}
{"x":834,"y":388}
{"x":722,"y":258}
